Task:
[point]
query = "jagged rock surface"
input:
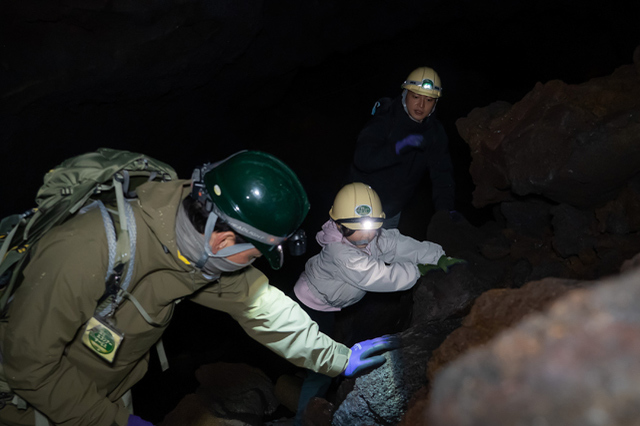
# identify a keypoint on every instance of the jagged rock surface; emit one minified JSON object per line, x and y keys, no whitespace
{"x":381,"y":397}
{"x":573,"y":144}
{"x":575,"y":364}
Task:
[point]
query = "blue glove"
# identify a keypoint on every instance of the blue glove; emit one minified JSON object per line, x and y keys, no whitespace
{"x":361,"y":354}
{"x":137,"y":421}
{"x":411,"y":141}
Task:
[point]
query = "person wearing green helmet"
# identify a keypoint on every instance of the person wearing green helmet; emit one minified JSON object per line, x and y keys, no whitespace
{"x":196,"y":240}
{"x":403,"y":141}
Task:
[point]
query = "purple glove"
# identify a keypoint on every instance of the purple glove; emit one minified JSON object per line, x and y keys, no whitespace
{"x":361,"y":354}
{"x":137,"y":421}
{"x":411,"y":141}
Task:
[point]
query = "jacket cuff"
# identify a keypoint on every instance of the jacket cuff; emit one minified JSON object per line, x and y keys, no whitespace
{"x":342,"y":355}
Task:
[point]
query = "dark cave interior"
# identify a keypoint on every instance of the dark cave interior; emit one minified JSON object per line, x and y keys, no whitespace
{"x":309,"y":116}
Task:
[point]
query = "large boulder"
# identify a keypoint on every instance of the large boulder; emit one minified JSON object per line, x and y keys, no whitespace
{"x":578,"y":363}
{"x":573,"y":144}
{"x":228,"y":395}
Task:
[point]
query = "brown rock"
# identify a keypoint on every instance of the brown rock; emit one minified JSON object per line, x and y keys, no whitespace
{"x":493,"y":312}
{"x":229,"y":395}
{"x":573,"y":144}
{"x":578,"y":363}
{"x":319,"y":412}
{"x":287,"y":391}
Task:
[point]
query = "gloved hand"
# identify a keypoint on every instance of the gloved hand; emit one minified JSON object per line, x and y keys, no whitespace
{"x":362,"y":354}
{"x":444,"y":263}
{"x":137,"y":421}
{"x":426,"y":267}
{"x":409,"y":142}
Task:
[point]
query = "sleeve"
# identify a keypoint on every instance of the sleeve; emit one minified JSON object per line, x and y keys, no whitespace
{"x":370,"y":273}
{"x":373,"y":150}
{"x":271,"y":318}
{"x":396,"y":247}
{"x":58,"y":295}
{"x":441,"y":171}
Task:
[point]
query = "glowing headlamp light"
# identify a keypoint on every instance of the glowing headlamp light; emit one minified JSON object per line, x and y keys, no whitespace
{"x":426,"y":84}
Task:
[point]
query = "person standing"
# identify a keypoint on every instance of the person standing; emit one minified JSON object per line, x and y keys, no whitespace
{"x":403,"y":141}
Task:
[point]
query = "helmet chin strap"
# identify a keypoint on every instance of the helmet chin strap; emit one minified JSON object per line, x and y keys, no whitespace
{"x":225,"y":252}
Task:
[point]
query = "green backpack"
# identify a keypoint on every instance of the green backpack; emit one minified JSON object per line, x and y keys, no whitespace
{"x":88,"y":180}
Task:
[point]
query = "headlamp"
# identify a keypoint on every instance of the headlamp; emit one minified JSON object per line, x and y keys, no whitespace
{"x":297,"y":243}
{"x":426,"y":84}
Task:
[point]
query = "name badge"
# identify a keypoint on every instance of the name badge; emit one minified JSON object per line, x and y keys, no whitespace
{"x":102,"y":338}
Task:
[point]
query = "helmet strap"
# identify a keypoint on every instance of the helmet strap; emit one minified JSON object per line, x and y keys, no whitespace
{"x":225,"y":252}
{"x":404,"y":105}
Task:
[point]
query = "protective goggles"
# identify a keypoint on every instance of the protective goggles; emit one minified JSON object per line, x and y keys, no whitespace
{"x":426,"y":84}
{"x":366,"y":222}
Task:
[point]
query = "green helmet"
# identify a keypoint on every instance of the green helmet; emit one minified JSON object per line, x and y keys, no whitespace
{"x":260,"y":198}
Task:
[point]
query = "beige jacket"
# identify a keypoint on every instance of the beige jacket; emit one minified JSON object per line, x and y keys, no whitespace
{"x":44,"y":359}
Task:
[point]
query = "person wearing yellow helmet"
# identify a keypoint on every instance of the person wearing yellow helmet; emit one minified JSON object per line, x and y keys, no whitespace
{"x":403,"y":141}
{"x":357,"y":256}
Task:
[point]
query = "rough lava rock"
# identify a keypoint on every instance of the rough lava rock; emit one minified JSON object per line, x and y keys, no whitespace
{"x":574,"y":144}
{"x":578,"y":363}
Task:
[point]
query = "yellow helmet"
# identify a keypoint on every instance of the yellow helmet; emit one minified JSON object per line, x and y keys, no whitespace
{"x":357,"y":206}
{"x":424,"y":81}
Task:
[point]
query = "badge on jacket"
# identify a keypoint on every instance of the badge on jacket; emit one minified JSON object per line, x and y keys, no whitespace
{"x":102,"y":338}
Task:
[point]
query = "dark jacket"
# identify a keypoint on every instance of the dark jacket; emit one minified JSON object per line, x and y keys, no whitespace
{"x":395,"y":177}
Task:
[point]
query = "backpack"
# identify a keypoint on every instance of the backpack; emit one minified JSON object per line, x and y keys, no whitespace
{"x":82,"y":182}
{"x":382,"y":105}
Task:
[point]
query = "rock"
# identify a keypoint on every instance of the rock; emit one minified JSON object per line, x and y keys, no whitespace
{"x":494,"y":311}
{"x":319,"y":412}
{"x":192,"y":410}
{"x":577,"y":363}
{"x":229,"y":394}
{"x":530,"y":218}
{"x":287,"y":390}
{"x":573,"y":230}
{"x":381,"y":396}
{"x":621,"y":215}
{"x":573,"y":144}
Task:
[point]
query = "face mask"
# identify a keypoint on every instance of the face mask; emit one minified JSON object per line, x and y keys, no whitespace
{"x":190,"y":243}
